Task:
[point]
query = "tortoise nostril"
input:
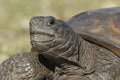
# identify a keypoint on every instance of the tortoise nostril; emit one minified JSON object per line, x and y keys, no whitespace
{"x":39,"y":20}
{"x":35,"y":20}
{"x":40,"y":17}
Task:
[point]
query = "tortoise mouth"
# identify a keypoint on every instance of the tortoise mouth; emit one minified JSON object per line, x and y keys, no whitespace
{"x":42,"y":37}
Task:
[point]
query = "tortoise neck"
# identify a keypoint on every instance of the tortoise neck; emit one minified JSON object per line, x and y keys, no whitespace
{"x":66,"y":50}
{"x":87,"y":54}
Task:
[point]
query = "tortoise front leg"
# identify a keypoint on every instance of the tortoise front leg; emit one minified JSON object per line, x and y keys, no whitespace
{"x":72,"y":77}
{"x":70,"y":73}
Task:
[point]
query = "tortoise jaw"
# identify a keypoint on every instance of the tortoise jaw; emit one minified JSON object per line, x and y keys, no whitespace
{"x":42,"y":37}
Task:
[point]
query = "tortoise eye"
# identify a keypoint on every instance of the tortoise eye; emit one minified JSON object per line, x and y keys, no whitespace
{"x":50,"y":20}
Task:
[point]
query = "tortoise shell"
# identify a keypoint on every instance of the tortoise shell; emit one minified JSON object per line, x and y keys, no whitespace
{"x":101,"y":26}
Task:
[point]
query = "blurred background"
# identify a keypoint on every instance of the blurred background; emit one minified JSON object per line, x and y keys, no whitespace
{"x":15,"y":16}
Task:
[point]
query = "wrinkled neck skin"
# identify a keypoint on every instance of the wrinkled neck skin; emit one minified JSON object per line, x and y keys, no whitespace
{"x":75,"y":49}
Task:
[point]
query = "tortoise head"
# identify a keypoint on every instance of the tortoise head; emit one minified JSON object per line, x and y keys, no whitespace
{"x":48,"y":32}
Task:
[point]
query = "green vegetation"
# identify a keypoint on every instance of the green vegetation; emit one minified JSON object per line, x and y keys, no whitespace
{"x":15,"y":16}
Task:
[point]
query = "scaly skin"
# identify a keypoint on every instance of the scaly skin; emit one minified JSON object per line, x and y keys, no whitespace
{"x":25,"y":66}
{"x":75,"y":58}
